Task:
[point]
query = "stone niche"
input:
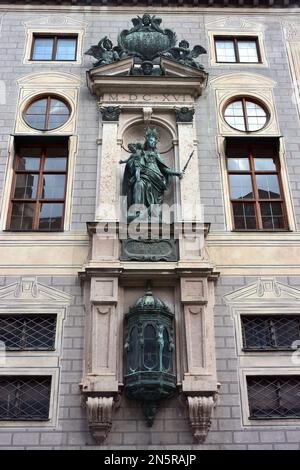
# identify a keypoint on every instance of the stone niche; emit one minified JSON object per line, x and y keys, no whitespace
{"x":113,"y":278}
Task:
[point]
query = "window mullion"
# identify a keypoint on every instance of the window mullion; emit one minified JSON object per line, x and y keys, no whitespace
{"x":278,"y":393}
{"x":245,"y":114}
{"x":236,"y":49}
{"x":272,"y":333}
{"x":47,"y":113}
{"x":39,"y":188}
{"x":23,"y":336}
{"x":54,"y":48}
{"x":17,"y":403}
{"x":255,"y":190}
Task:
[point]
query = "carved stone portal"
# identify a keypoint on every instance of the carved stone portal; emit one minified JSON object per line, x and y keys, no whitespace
{"x":177,"y":264}
{"x":200,"y":414}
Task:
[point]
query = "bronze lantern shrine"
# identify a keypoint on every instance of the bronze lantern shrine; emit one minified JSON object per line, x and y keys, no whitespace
{"x":149,"y":354}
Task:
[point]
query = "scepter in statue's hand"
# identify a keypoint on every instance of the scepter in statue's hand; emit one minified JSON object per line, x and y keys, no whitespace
{"x":186,"y":165}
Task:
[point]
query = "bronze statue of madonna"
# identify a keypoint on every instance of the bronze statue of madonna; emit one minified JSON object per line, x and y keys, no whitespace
{"x":146,"y":178}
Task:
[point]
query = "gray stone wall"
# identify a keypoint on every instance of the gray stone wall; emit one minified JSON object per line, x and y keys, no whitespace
{"x":189,"y":27}
{"x":171,"y":429}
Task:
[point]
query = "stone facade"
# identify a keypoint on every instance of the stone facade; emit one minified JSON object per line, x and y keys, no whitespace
{"x":242,"y":259}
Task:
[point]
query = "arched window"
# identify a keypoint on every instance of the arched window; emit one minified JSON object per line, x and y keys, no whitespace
{"x":133,"y":352}
{"x":47,"y":113}
{"x":245,"y":114}
{"x":166,"y":352}
{"x":150,"y":347}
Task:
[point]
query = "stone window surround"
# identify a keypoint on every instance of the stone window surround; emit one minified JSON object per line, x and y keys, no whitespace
{"x":51,"y":31}
{"x":34,"y":371}
{"x":263,"y":371}
{"x":41,"y":363}
{"x":263,"y":98}
{"x":73,"y":140}
{"x":26,"y":297}
{"x":262,"y":363}
{"x":66,"y":86}
{"x":255,"y":35}
{"x":227,"y":88}
{"x":63,"y":85}
{"x":226,"y":190}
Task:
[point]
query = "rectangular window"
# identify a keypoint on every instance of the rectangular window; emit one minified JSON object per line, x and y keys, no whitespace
{"x":28,"y":332}
{"x":237,"y":50}
{"x":255,"y":186}
{"x":54,"y":48}
{"x":269,"y":333}
{"x":39,"y":188}
{"x":24,"y":398}
{"x":274,"y":397}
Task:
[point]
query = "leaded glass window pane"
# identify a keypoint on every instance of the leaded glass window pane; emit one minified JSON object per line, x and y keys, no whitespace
{"x":150,"y":347}
{"x":66,"y":49}
{"x":248,"y":51}
{"x":225,"y":50}
{"x":42,"y":48}
{"x":51,"y":216}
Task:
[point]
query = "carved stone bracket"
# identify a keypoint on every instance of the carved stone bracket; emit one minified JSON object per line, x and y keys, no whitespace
{"x":184,"y":114}
{"x":99,"y":413}
{"x":110,"y":113}
{"x":200,"y":413}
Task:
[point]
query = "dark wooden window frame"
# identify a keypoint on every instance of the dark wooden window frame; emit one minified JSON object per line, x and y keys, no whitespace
{"x":47,"y":114}
{"x":243,"y":99}
{"x":55,"y":38}
{"x":38,"y":200}
{"x":257,"y":200}
{"x":236,"y":40}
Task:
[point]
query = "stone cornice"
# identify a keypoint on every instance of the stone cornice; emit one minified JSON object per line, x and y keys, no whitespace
{"x":179,"y":3}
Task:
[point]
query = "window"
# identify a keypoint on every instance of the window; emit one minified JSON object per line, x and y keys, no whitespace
{"x":39,"y":187}
{"x":28,"y":332}
{"x":274,"y":397}
{"x":255,"y":186}
{"x":246,"y":115}
{"x":237,"y":50}
{"x":24,"y":398}
{"x":269,"y":333}
{"x":47,"y":113}
{"x":54,"y":48}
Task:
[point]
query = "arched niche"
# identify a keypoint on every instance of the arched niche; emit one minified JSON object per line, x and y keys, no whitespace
{"x":136,"y":133}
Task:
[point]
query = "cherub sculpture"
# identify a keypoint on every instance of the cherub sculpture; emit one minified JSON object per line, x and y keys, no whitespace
{"x":184,"y":55}
{"x":146,"y":23}
{"x":105,"y":53}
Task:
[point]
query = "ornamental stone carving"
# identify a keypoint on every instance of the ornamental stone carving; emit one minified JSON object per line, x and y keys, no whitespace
{"x":200,"y":413}
{"x":149,"y":250}
{"x":110,"y":113}
{"x":147,"y":43}
{"x":99,"y":413}
{"x":184,"y":114}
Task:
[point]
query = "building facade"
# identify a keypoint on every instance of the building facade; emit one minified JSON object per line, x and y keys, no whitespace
{"x":110,"y":340}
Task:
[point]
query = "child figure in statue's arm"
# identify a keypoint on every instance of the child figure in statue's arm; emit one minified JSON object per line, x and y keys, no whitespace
{"x":135,"y":160}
